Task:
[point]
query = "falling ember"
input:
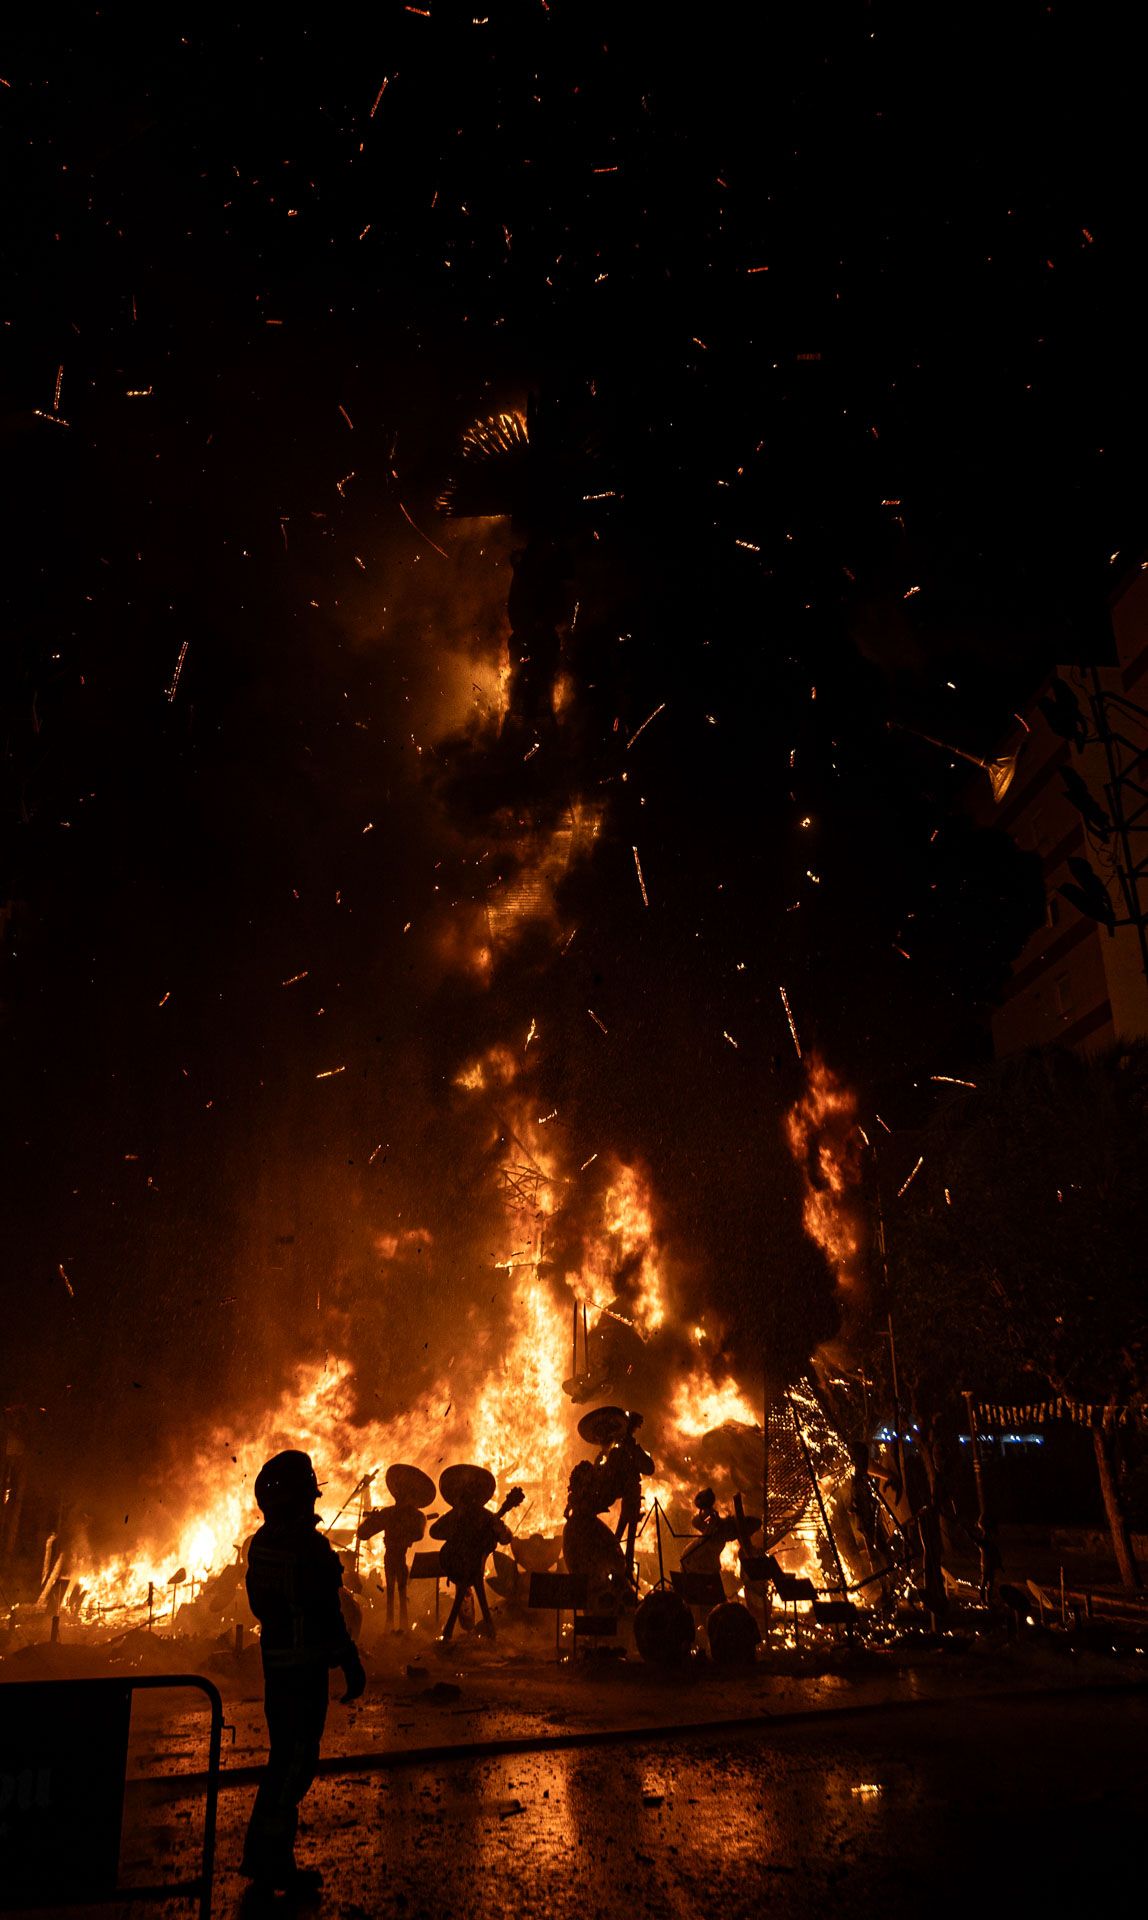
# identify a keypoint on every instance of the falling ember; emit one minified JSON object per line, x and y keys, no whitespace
{"x":905,"y":1185}
{"x":789,"y":1017}
{"x":66,"y":1281}
{"x":419,"y":531}
{"x":171,"y":692}
{"x":641,"y":879}
{"x":641,"y":730}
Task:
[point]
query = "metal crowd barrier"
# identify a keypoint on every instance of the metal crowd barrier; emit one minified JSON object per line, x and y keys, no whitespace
{"x":63,"y":1778}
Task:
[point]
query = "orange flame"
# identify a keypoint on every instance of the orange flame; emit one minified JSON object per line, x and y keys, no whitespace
{"x":823,"y":1136}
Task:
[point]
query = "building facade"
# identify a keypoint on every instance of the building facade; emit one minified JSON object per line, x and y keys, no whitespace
{"x":1075,"y":981}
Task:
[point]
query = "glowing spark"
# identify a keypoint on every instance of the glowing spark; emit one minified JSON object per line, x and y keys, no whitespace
{"x":421,"y":534}
{"x":66,"y":1281}
{"x":791,"y":1020}
{"x":378,"y":97}
{"x":641,"y":879}
{"x":595,"y":1019}
{"x":531,"y":1035}
{"x":342,"y":485}
{"x":912,"y":1177}
{"x":59,"y":384}
{"x":644,"y":725}
{"x":748,"y":545}
{"x":328,"y":1073}
{"x":296,"y":976}
{"x":588,"y":1163}
{"x":171,"y":692}
{"x":346,"y":416}
{"x":372,"y":1157}
{"x":730,"y":1038}
{"x":950,"y":1080}
{"x":881,"y":1123}
{"x":166,"y":998}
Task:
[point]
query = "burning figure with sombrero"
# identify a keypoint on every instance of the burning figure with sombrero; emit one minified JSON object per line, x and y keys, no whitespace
{"x":402,"y":1527}
{"x":469,"y":1533}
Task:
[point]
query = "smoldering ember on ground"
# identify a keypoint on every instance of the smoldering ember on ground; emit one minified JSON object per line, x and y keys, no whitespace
{"x":560,"y":582}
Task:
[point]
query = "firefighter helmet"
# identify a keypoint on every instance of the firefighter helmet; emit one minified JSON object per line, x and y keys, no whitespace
{"x":287,"y":1480}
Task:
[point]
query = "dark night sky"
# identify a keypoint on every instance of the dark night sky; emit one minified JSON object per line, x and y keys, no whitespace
{"x":811,"y":262}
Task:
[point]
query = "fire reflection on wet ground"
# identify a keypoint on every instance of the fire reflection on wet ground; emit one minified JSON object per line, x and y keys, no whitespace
{"x":884,"y":1811}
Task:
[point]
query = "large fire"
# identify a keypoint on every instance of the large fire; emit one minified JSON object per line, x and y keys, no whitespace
{"x":501,"y":1399}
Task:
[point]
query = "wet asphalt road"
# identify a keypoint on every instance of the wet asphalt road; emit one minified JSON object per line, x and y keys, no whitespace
{"x":970,"y":1808}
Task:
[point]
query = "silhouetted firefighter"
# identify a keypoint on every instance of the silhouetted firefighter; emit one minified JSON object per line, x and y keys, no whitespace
{"x":293,"y":1582}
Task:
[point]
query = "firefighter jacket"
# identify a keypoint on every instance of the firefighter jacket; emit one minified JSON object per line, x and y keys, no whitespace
{"x":293,"y":1581}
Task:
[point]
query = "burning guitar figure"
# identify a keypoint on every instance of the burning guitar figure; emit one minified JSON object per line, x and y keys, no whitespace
{"x":470,"y":1533}
{"x":402,"y":1527}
